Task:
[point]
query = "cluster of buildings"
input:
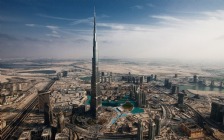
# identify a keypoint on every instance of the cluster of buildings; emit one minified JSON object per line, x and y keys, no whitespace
{"x":106,"y":77}
{"x":217,"y":112}
{"x":138,"y":94}
{"x":211,"y":83}
{"x":62,"y":74}
{"x":139,"y":79}
{"x":45,"y":134}
{"x":13,"y":91}
{"x":53,"y":125}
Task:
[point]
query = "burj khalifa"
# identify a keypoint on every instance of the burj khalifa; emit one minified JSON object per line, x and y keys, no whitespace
{"x":95,"y":81}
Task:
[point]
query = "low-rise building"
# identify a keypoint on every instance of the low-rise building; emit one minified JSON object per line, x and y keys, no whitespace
{"x":192,"y":130}
{"x":26,"y":135}
{"x":61,"y":136}
{"x":46,"y":134}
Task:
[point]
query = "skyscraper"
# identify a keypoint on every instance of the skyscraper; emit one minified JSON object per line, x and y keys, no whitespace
{"x":48,"y":117}
{"x":195,"y":79}
{"x":95,"y":81}
{"x":61,"y":122}
{"x":158,"y":125}
{"x":43,"y":98}
{"x":180,"y":98}
{"x":152,"y":128}
{"x":140,"y":130}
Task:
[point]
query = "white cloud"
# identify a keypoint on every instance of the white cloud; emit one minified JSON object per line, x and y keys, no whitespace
{"x":55,"y":17}
{"x":112,"y":26}
{"x":52,"y":27}
{"x":30,"y":25}
{"x":54,"y":32}
{"x":180,"y":38}
{"x":185,"y":38}
{"x":166,"y":18}
{"x":219,"y":14}
{"x":80,"y":21}
{"x":137,"y":7}
{"x":53,"y":35}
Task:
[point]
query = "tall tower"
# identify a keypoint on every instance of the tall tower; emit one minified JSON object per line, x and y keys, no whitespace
{"x":152,"y":128}
{"x":140,"y":130}
{"x":158,"y":125}
{"x":95,"y":81}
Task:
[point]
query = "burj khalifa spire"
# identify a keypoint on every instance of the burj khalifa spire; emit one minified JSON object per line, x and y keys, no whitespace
{"x":95,"y":87}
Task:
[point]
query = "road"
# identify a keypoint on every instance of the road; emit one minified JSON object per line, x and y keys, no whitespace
{"x":22,"y":115}
{"x":195,"y":112}
{"x":18,"y":119}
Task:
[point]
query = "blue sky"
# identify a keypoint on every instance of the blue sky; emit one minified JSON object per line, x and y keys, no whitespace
{"x":179,"y":29}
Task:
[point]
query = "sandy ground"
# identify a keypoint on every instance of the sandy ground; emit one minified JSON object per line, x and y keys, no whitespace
{"x":3,"y":78}
{"x":214,"y":93}
{"x":145,"y":69}
{"x":136,"y":67}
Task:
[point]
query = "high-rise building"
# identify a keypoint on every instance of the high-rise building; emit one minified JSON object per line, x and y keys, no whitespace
{"x":61,"y":122}
{"x":131,"y":91}
{"x":43,"y":99}
{"x":102,"y":73}
{"x":64,"y":73}
{"x":140,"y":130}
{"x":152,"y":76}
{"x":141,"y":99}
{"x":217,"y":112}
{"x":102,"y":79}
{"x":212,"y":83}
{"x":166,"y":83}
{"x":180,"y":98}
{"x":195,"y":78}
{"x":221,"y":84}
{"x":141,"y":79}
{"x":178,"y":89}
{"x":48,"y":117}
{"x":95,"y":82}
{"x":152,"y":128}
{"x":158,"y":124}
{"x":149,"y":78}
{"x":110,"y":79}
{"x":130,"y":80}
{"x":155,"y":77}
{"x":174,"y":89}
{"x":175,"y":75}
{"x":137,"y":80}
{"x":133,"y":79}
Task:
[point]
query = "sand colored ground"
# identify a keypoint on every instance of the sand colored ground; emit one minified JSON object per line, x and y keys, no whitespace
{"x":145,"y":69}
{"x":213,"y":93}
{"x":3,"y":78}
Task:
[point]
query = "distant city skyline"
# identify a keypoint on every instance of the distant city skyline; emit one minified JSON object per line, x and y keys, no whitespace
{"x":176,"y":29}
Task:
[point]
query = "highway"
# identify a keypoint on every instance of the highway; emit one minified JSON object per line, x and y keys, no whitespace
{"x":195,"y":112}
{"x":18,"y":119}
{"x":22,"y":115}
